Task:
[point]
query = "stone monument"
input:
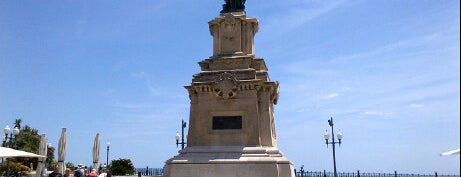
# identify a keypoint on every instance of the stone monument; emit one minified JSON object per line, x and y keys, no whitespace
{"x":231,"y":125}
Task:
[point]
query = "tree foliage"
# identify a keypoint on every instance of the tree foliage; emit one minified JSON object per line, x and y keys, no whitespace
{"x":50,"y":156}
{"x":27,"y":140}
{"x":122,"y":167}
{"x":70,"y":165}
{"x":15,"y":168}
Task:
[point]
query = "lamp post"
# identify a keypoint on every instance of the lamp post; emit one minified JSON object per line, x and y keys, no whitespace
{"x":327,"y":137}
{"x":48,"y":151}
{"x":12,"y":136}
{"x":5,"y":137}
{"x":182,"y":143}
{"x":107,"y":155}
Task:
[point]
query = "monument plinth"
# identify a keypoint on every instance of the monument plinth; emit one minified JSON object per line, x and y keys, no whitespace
{"x":233,"y":34}
{"x":231,"y":125}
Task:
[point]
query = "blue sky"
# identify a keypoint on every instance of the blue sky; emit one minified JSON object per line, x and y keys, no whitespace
{"x":388,"y":72}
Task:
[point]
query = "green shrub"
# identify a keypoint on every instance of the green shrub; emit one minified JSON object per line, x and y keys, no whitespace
{"x":122,"y":167}
{"x":15,"y":168}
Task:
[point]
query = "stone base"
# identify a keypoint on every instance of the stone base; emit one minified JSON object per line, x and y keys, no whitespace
{"x":229,"y":161}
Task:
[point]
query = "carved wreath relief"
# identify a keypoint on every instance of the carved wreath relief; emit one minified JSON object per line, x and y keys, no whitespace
{"x":225,"y":86}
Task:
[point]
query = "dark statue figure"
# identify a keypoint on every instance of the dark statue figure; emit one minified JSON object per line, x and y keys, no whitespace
{"x":233,"y":6}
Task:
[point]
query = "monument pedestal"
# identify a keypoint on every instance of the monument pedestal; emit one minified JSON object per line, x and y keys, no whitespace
{"x":229,"y":161}
{"x":232,"y":125}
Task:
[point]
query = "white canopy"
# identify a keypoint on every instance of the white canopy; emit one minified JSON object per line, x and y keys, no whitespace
{"x":456,"y":151}
{"x":8,"y":152}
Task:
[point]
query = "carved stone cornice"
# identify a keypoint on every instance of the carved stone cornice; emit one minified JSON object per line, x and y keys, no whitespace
{"x":227,"y":87}
{"x":232,"y":63}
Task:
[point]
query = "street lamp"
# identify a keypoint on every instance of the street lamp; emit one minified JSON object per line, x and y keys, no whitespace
{"x":13,"y":135}
{"x":107,"y":155}
{"x":327,"y":137}
{"x":5,"y":137}
{"x":48,"y":150}
{"x":182,"y":143}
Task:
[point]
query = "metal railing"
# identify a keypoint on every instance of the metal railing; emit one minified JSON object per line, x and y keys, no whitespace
{"x":149,"y":171}
{"x":303,"y":173}
{"x":159,"y":172}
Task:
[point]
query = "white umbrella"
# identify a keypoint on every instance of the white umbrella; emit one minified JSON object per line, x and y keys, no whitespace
{"x":453,"y":152}
{"x":42,"y":150}
{"x":96,"y":148}
{"x":8,"y":152}
{"x":62,"y":150}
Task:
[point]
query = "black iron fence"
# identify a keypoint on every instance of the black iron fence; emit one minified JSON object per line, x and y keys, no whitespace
{"x":303,"y":173}
{"x":149,"y":171}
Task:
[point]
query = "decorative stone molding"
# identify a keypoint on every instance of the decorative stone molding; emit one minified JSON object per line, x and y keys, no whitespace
{"x":225,"y":86}
{"x":233,"y":63}
{"x":275,"y":93}
{"x":249,"y":86}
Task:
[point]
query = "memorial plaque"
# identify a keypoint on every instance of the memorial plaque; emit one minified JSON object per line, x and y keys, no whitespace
{"x":227,"y":122}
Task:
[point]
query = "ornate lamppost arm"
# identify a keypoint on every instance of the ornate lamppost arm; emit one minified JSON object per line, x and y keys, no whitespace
{"x":333,"y":142}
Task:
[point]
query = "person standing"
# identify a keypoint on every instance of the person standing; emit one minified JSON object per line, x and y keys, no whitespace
{"x":93,"y":173}
{"x":79,"y":171}
{"x":100,"y":168}
{"x":85,"y":172}
{"x":44,"y":172}
{"x":67,"y":173}
{"x":108,"y":174}
{"x":55,"y":172}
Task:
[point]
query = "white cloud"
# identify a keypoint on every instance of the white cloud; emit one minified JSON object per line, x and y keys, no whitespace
{"x":333,"y":95}
{"x":303,"y":15}
{"x":414,"y":105}
{"x":376,"y":113}
{"x":153,"y":91}
{"x":139,"y":75}
{"x":389,"y":48}
{"x":132,"y":106}
{"x":300,"y":14}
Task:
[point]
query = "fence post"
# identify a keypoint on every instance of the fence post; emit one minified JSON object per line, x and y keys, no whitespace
{"x":324,"y":173}
{"x":436,"y":174}
{"x":395,"y":173}
{"x":358,"y":173}
{"x":139,"y":174}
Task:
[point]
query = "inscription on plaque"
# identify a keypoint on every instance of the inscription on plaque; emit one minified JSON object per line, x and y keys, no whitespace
{"x":227,"y":122}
